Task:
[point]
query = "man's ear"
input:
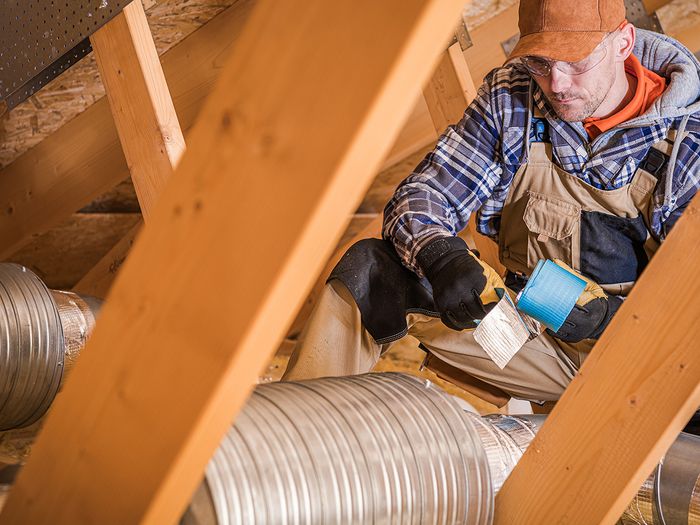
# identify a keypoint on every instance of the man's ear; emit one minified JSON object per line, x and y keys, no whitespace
{"x":624,"y":42}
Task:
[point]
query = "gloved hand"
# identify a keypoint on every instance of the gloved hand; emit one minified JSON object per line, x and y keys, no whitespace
{"x":591,"y":314}
{"x":464,"y":288}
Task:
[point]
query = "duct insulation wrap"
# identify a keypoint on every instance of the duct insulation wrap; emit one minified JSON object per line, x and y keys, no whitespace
{"x":504,"y":439}
{"x":78,"y":314}
{"x":376,"y":448}
{"x":31,"y":347}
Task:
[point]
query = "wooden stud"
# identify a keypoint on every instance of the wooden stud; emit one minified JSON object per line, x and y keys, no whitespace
{"x":145,"y":118}
{"x":273,"y":167}
{"x":138,"y":95}
{"x":631,"y":398}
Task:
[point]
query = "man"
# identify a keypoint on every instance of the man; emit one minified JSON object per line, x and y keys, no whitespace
{"x":585,"y":147}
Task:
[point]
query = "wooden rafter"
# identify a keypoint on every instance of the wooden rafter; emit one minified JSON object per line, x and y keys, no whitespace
{"x":273,"y":167}
{"x":140,"y":101}
{"x":631,"y":398}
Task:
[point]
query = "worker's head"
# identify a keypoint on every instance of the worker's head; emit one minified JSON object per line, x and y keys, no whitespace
{"x":575,"y":50}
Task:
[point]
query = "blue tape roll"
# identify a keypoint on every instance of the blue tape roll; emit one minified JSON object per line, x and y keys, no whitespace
{"x":550,"y":294}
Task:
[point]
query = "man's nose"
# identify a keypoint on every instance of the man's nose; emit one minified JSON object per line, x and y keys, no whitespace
{"x":558,"y":81}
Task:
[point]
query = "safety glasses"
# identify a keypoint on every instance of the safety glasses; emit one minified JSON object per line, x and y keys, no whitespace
{"x":542,"y":67}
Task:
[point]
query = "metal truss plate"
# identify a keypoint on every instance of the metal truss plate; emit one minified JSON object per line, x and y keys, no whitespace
{"x":39,"y":39}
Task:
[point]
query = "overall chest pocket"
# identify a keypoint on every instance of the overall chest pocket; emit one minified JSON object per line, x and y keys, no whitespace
{"x":553,"y":229}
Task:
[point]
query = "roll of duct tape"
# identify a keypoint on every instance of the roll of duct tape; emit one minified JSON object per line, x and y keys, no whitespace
{"x":550,"y":294}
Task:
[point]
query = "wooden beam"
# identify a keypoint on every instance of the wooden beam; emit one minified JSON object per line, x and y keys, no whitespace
{"x":140,"y":101}
{"x":631,"y":398}
{"x":146,"y":122}
{"x":449,"y":92}
{"x":281,"y":155}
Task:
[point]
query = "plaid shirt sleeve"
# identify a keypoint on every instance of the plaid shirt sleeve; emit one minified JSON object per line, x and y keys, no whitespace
{"x":686,"y":181}
{"x":453,"y":181}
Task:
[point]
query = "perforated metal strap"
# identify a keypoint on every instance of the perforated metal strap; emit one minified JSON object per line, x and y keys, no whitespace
{"x":39,"y":39}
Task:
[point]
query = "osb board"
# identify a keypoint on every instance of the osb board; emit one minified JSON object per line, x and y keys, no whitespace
{"x":61,"y":256}
{"x":71,"y":93}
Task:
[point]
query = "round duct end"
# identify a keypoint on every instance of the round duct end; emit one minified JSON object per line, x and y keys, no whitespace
{"x":31,"y":347}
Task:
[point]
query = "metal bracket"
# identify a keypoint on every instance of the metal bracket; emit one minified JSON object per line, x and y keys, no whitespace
{"x":40,"y":40}
{"x":462,"y":37}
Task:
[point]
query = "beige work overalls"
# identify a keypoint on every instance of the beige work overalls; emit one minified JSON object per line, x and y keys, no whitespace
{"x":540,"y":219}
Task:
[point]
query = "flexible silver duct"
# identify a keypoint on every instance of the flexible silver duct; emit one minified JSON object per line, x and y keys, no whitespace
{"x":50,"y":342}
{"x":329,"y":450}
{"x":31,"y":347}
{"x":378,"y":448}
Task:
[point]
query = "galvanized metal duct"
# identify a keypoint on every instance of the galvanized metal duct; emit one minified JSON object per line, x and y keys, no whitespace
{"x":328,"y":450}
{"x":378,"y":448}
{"x":61,"y":344}
{"x":31,"y":347}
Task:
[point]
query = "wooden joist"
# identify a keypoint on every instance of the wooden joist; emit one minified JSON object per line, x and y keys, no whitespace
{"x":146,"y":122}
{"x":631,"y":398}
{"x":281,"y":155}
{"x":140,"y":101}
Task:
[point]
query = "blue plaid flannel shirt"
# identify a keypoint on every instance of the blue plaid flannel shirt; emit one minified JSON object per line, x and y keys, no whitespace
{"x":474,"y":162}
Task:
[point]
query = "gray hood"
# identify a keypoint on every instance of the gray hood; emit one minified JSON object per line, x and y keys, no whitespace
{"x":670,"y":59}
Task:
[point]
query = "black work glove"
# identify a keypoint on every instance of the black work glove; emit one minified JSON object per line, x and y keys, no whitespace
{"x":591,"y":315}
{"x":464,"y":288}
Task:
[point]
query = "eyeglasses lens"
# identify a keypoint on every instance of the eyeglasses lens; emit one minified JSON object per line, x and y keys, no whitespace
{"x":541,"y":67}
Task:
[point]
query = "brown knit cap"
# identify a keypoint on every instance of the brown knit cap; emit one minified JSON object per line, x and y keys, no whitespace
{"x":567,"y":30}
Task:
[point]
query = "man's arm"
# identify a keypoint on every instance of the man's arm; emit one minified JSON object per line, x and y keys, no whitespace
{"x":453,"y":181}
